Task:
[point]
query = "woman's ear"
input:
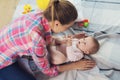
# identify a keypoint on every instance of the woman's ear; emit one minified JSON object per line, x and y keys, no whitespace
{"x":56,"y":27}
{"x":57,"y":23}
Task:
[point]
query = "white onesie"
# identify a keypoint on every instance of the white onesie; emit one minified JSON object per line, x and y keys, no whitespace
{"x":73,"y":53}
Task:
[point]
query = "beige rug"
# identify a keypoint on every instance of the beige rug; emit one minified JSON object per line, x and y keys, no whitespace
{"x":7,"y":8}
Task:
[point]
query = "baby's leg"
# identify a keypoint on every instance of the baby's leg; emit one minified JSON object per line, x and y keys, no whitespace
{"x":56,"y":56}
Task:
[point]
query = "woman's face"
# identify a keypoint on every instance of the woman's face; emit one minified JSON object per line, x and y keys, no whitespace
{"x":58,"y":27}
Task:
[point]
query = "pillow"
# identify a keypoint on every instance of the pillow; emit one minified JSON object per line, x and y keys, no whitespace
{"x":108,"y":56}
{"x":77,"y":4}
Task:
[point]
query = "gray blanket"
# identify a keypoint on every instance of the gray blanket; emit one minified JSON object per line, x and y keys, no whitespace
{"x":107,"y":59}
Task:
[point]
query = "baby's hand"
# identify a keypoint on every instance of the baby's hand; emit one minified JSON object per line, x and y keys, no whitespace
{"x":85,"y":64}
{"x":52,"y":42}
{"x":68,"y":42}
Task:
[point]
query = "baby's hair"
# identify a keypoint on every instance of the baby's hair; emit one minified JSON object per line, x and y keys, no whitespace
{"x":61,"y":10}
{"x":96,"y":45}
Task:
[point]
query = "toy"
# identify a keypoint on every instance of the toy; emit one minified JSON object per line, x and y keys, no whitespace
{"x":42,"y":4}
{"x":84,"y":23}
{"x":27,"y":9}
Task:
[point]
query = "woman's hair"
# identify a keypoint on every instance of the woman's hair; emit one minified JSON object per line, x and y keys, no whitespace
{"x":62,"y":10}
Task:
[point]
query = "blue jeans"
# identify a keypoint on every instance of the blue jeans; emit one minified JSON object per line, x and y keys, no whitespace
{"x":14,"y":72}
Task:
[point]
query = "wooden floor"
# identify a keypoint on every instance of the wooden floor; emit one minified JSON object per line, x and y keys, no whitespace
{"x":7,"y":8}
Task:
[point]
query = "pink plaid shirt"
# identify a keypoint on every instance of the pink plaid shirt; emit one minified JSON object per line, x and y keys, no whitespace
{"x":25,"y":35}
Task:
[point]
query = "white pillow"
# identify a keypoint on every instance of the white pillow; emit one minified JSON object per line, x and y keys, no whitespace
{"x":109,"y":54}
{"x":77,"y":4}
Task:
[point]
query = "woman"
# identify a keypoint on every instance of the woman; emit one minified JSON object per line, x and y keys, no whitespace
{"x":30,"y":33}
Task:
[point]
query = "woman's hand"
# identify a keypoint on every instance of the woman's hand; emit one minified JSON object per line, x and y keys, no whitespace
{"x":80,"y":35}
{"x":85,"y":64}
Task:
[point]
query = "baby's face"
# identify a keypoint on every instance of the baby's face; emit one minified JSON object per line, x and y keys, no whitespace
{"x":86,"y":44}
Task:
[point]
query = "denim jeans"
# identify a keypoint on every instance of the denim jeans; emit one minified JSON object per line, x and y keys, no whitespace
{"x":14,"y":72}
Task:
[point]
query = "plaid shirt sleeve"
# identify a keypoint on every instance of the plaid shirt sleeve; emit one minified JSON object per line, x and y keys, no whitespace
{"x":40,"y":51}
{"x":47,"y":31}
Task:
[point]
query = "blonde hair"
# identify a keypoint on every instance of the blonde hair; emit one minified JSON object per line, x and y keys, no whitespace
{"x":62,"y":10}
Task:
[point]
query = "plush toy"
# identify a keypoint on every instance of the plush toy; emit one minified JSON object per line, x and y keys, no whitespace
{"x":83,"y":23}
{"x":27,"y":9}
{"x":42,"y":4}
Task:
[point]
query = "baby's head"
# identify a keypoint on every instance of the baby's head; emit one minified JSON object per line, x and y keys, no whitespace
{"x":88,"y":45}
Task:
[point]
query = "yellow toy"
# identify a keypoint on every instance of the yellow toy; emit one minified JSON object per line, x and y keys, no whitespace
{"x":42,"y":4}
{"x":27,"y":9}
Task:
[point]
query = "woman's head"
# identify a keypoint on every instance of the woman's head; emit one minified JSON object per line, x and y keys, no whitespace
{"x":61,"y":14}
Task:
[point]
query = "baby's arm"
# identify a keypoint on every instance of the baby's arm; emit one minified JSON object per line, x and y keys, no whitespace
{"x":59,"y":40}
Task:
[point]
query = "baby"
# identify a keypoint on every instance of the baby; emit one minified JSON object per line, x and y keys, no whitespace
{"x":72,"y":49}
